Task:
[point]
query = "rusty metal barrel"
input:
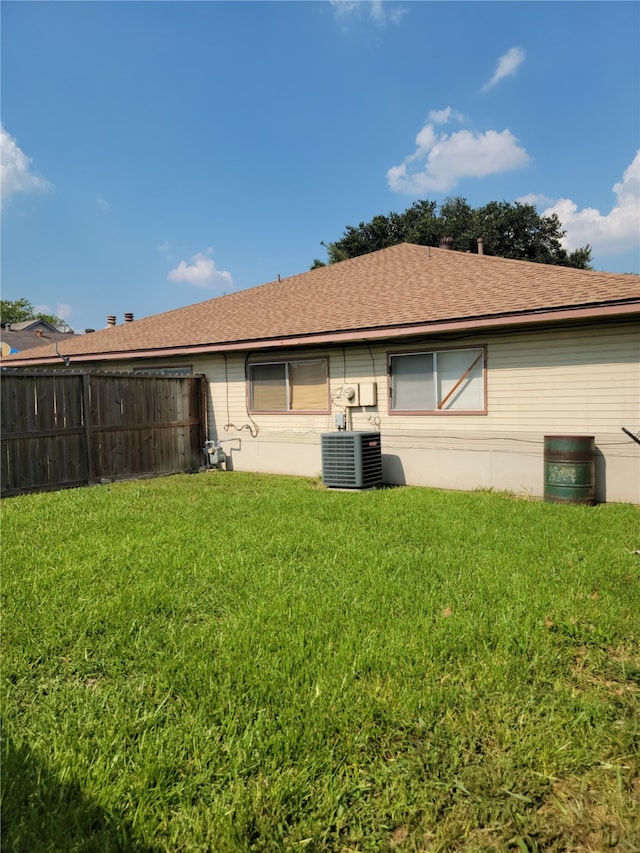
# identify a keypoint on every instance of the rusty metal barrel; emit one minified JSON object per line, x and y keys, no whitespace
{"x":569,"y":469}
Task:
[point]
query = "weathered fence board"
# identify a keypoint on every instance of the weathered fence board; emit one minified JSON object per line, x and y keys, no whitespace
{"x":63,"y":428}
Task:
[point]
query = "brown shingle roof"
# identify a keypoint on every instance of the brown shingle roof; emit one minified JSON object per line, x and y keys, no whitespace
{"x":24,"y":340}
{"x":383,"y":293}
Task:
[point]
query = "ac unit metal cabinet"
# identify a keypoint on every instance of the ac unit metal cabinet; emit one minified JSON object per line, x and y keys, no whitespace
{"x":351,"y":460}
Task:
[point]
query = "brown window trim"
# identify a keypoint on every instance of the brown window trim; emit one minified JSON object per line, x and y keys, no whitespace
{"x":307,"y":412}
{"x":438,"y":413}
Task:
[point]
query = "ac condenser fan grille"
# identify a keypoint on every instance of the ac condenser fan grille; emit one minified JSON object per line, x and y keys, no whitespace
{"x":351,"y":460}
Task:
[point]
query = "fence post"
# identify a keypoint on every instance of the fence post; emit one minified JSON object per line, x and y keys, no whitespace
{"x":86,"y":405}
{"x":204,"y":410}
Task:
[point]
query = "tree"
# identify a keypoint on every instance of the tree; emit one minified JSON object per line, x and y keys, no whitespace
{"x":508,"y":230}
{"x":19,"y":310}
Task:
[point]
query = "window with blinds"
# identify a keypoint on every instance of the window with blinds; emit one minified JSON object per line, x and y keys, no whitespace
{"x":289,"y":386}
{"x":439,"y":381}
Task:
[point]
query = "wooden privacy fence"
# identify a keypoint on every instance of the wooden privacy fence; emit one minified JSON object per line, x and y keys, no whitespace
{"x":62,"y":429}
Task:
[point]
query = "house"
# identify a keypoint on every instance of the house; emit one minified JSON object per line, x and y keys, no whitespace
{"x":15,"y":337}
{"x":464,"y":363}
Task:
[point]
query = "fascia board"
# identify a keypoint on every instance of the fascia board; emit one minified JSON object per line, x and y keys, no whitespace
{"x":530,"y":319}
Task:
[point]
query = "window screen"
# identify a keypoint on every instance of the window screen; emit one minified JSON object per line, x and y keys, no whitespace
{"x":308,"y":385}
{"x":289,"y":386}
{"x":412,"y":386}
{"x":268,"y":387}
{"x":460,"y":380}
{"x":447,"y":380}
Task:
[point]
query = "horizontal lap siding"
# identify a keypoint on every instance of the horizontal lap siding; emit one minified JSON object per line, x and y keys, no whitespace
{"x":587,"y":381}
{"x":542,"y":382}
{"x":582,"y":381}
{"x":228,"y":405}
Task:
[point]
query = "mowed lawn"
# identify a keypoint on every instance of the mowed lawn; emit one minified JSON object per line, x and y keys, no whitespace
{"x":235,"y":662}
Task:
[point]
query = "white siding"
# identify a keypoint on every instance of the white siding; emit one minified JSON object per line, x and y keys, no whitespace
{"x":575,"y":381}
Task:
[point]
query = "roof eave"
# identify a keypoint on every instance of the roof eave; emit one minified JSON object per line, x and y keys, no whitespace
{"x":514,"y":319}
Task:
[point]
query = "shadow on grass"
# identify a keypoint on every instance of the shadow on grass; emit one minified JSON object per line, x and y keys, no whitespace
{"x":41,"y":813}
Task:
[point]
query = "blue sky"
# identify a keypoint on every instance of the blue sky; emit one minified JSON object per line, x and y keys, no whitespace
{"x":157,"y":154}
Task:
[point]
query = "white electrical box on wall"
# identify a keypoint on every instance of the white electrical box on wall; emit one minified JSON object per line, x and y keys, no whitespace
{"x":363,"y":394}
{"x":368,"y":396}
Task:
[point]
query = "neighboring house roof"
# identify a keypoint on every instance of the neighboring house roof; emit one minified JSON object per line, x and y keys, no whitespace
{"x":38,"y":323}
{"x":14,"y":340}
{"x":402,"y":290}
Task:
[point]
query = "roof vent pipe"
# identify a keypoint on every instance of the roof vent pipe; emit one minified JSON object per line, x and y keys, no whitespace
{"x":128,"y":317}
{"x":446,"y":243}
{"x":480,"y":246}
{"x":111,"y":320}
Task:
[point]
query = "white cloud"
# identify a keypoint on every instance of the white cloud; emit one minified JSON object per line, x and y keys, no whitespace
{"x":342,"y":8}
{"x":445,"y":115}
{"x":379,"y":12}
{"x":61,"y":310}
{"x":535,"y":199}
{"x":443,"y":159}
{"x":201,"y":272}
{"x":104,"y":204}
{"x":15,"y":169}
{"x":606,"y":233}
{"x":165,"y":249}
{"x":507,"y":66}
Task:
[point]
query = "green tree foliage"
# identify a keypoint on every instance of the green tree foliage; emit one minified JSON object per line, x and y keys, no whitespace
{"x":508,"y":230}
{"x":19,"y":310}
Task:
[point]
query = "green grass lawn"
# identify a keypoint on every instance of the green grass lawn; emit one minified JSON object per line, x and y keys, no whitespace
{"x":234,"y":662}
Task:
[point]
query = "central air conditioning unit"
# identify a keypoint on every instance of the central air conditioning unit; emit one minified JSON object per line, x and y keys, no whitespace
{"x":351,"y":460}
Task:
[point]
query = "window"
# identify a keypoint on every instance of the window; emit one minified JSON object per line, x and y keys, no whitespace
{"x":289,"y":386}
{"x":443,"y":381}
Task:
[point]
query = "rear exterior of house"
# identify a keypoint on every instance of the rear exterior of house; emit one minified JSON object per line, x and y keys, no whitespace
{"x":583,"y":380}
{"x":460,"y":403}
